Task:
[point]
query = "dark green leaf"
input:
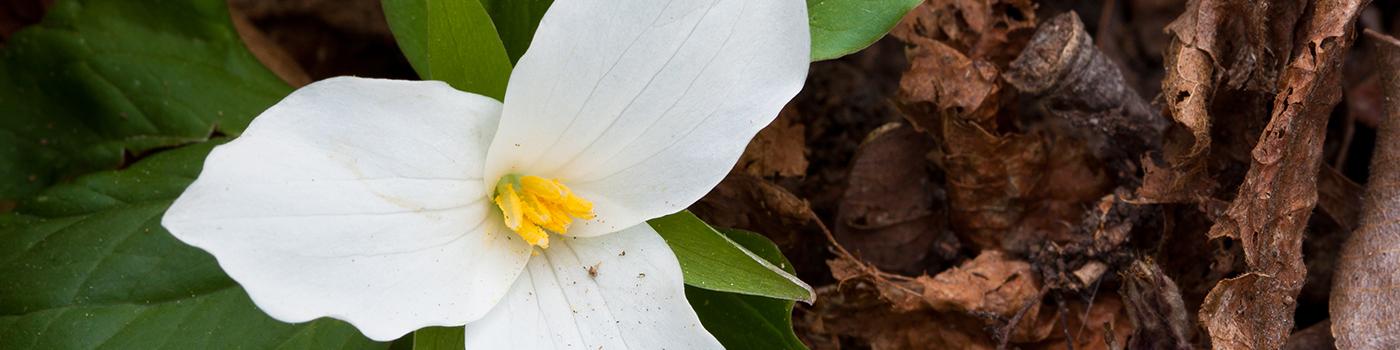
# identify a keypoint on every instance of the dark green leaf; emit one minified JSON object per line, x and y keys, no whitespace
{"x":87,"y":265}
{"x":747,"y":321}
{"x":100,"y":77}
{"x":516,"y":21}
{"x":439,"y":338}
{"x":841,"y":27}
{"x":452,"y":41}
{"x":711,"y":260}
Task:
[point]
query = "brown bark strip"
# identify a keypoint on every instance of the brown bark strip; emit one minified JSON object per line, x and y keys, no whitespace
{"x":1073,"y":80}
{"x":1365,"y":303}
{"x":1271,"y":209}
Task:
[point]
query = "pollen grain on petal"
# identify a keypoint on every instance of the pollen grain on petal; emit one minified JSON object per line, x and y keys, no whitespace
{"x":533,"y":207}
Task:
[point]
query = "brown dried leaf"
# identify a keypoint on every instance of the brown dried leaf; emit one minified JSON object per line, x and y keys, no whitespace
{"x":990,"y":30}
{"x":892,"y":213}
{"x":268,"y":52}
{"x":1365,"y":303}
{"x":1103,"y":326}
{"x":1187,"y":88}
{"x":991,"y":284}
{"x":778,"y":150}
{"x":955,"y":98}
{"x":957,"y":309}
{"x":855,"y":310}
{"x":1007,"y":189}
{"x":944,"y":84}
{"x":1315,"y":337}
{"x":1223,"y":60}
{"x":1271,"y":210}
{"x":1154,"y":304}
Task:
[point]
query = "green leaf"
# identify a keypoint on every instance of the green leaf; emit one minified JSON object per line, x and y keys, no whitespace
{"x":516,"y":20}
{"x":87,"y":265}
{"x":713,"y":261}
{"x":747,"y":321}
{"x":838,"y":27}
{"x":98,"y":78}
{"x":842,"y":27}
{"x":440,"y":338}
{"x":452,"y":41}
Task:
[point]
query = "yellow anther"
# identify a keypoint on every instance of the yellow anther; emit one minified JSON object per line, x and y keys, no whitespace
{"x":548,"y":190}
{"x":509,"y":203}
{"x":577,"y":206}
{"x":534,"y":209}
{"x":533,"y":234}
{"x":559,"y":220}
{"x":530,"y":205}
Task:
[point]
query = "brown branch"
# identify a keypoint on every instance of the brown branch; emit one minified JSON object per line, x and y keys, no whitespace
{"x":1071,"y":79}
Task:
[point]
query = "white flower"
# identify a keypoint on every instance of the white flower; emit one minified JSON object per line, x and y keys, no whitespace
{"x":379,"y":202}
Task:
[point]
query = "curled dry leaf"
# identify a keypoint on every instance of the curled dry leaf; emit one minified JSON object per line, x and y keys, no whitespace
{"x":892,"y":214}
{"x":1365,"y":303}
{"x":1154,"y":304}
{"x":987,"y":30}
{"x":957,"y":99}
{"x":992,"y":284}
{"x":960,"y":308}
{"x":1223,"y":60}
{"x":1272,"y":207}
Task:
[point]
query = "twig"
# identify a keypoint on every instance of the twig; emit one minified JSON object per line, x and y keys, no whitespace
{"x":1071,"y":79}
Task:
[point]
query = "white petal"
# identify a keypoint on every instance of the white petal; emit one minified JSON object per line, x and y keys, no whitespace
{"x":644,"y":105}
{"x":361,"y":200}
{"x":636,"y":300}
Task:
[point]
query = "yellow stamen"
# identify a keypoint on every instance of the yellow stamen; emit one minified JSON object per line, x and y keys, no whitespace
{"x":577,"y":206}
{"x":509,"y":203}
{"x":531,"y":205}
{"x":533,"y":234}
{"x":559,"y":220}
{"x":546,"y":189}
{"x":534,"y":209}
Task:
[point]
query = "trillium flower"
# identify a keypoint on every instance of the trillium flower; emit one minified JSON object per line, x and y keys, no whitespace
{"x":396,"y":205}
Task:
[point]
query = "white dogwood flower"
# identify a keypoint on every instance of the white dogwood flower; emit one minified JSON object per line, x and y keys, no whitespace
{"x":396,"y":205}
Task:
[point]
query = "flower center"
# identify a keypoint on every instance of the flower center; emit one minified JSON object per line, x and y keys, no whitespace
{"x":531,"y":205}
